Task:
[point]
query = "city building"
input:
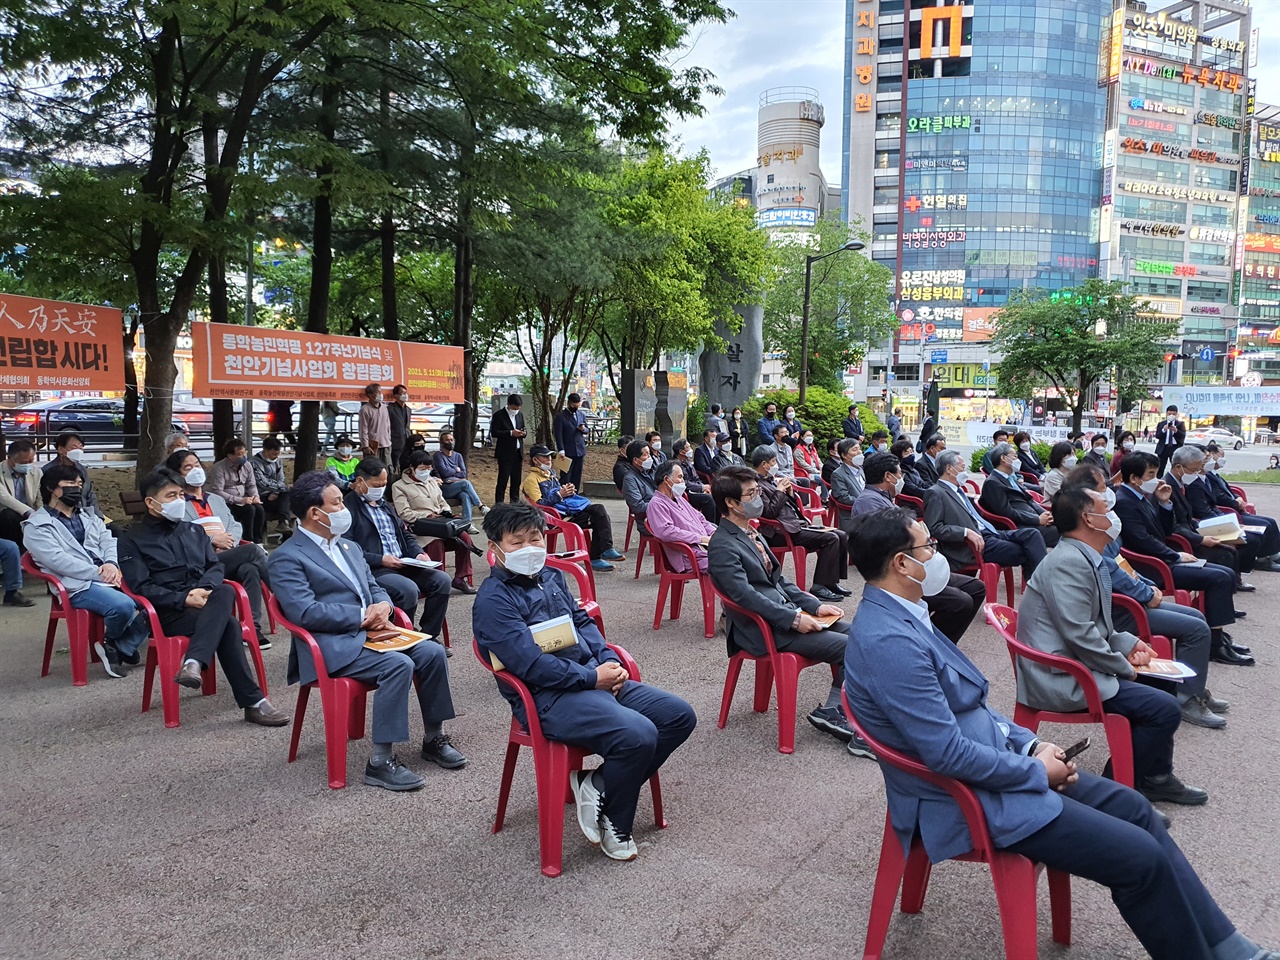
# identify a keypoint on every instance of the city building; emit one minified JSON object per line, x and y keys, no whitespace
{"x":1258,"y":332}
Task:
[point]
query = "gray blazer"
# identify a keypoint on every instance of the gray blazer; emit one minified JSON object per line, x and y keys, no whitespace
{"x":847,"y":485}
{"x":221,"y":511}
{"x":315,"y":595}
{"x":1066,"y":612}
{"x":738,"y":572}
{"x":947,"y":519}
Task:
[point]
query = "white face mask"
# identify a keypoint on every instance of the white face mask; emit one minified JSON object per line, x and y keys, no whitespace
{"x":1113,"y":530}
{"x":75,"y":455}
{"x":881,"y":447}
{"x":1193,"y":478}
{"x":808,"y":441}
{"x":773,"y":471}
{"x":338,"y":522}
{"x":344,"y":451}
{"x":961,"y":477}
{"x":1127,"y":445}
{"x":857,"y":459}
{"x":1068,"y":462}
{"x":196,"y":477}
{"x":174,"y":510}
{"x":1149,"y":486}
{"x":937,"y":574}
{"x":1110,"y":497}
{"x":677,"y":490}
{"x":1100,"y":451}
{"x":1016,"y":465}
{"x":1024,"y":446}
{"x":725,"y":447}
{"x":527,"y":561}
{"x":898,"y":485}
{"x":374,"y":494}
{"x":422,"y":474}
{"x":655,"y":444}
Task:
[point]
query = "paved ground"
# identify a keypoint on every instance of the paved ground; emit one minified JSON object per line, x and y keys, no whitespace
{"x":124,"y":839}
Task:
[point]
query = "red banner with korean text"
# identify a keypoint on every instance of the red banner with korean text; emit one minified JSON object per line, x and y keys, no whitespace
{"x":53,"y":345}
{"x":235,"y":362}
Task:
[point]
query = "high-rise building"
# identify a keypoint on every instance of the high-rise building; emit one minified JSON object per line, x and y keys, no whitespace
{"x":1258,"y":331}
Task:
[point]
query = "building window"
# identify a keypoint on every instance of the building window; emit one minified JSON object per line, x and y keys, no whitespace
{"x":769,"y":178}
{"x":764,"y":378}
{"x":1207,"y":292}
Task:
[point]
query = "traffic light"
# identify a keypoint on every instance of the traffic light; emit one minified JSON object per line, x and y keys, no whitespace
{"x":1168,"y":358}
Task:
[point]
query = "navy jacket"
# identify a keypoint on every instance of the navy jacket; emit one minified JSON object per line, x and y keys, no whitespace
{"x":569,"y":439}
{"x":1144,"y":525}
{"x":764,"y":430}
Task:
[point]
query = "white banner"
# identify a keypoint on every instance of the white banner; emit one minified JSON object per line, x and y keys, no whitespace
{"x":978,"y":434}
{"x":1224,"y":401}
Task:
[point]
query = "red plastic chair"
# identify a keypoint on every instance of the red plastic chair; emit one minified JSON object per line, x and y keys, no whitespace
{"x":1119,"y":733}
{"x":910,"y":503}
{"x":83,"y":628}
{"x":586,"y":588}
{"x":165,"y":654}
{"x":674,"y":583}
{"x":834,"y":509}
{"x":1014,"y":876}
{"x":812,"y":509}
{"x":799,"y":555}
{"x":1162,"y":644}
{"x":552,"y":762}
{"x":646,"y":540}
{"x":342,"y":703}
{"x":1158,"y":571}
{"x":997,"y":521}
{"x":972,"y":488}
{"x":780,"y":669}
{"x":1239,"y":492}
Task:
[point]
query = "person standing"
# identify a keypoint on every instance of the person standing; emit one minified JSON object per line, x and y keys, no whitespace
{"x":737,"y":431}
{"x":894,"y":423}
{"x":852,"y":425}
{"x":329,"y":412}
{"x":507,"y":428}
{"x":1170,"y":435}
{"x":765,"y":428}
{"x":400,"y":414}
{"x":375,"y":424}
{"x":280,"y":419}
{"x":571,"y":438}
{"x":715,"y":419}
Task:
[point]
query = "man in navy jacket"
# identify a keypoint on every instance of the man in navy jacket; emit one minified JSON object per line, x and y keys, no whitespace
{"x":571,"y":437}
{"x":914,"y":690}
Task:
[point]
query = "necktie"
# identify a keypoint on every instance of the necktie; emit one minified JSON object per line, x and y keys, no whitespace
{"x":973,"y":512}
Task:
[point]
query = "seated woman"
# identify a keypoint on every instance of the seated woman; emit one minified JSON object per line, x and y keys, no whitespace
{"x":672,"y":517}
{"x":246,"y":564}
{"x":1124,"y":447}
{"x":1062,"y":460}
{"x":342,"y":465}
{"x":1030,"y":462}
{"x":420,"y":503}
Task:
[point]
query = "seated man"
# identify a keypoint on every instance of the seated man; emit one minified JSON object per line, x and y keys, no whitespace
{"x":171,"y":562}
{"x":879,"y":442}
{"x":584,"y":696}
{"x":998,"y":437}
{"x":916,"y":692}
{"x":621,"y":465}
{"x":1186,"y":469}
{"x":1066,"y":611}
{"x":1005,"y":495}
{"x":273,"y":488}
{"x":11,"y":567}
{"x":326,"y":588}
{"x":654,"y":439}
{"x":695,"y":490}
{"x":964,"y":535}
{"x":75,"y":546}
{"x":232,"y":479}
{"x":70,"y":450}
{"x":725,"y":457}
{"x":451,"y":471}
{"x":704,"y":458}
{"x":542,"y":485}
{"x":782,"y":451}
{"x":672,"y":517}
{"x":782,"y":506}
{"x":744,"y":570}
{"x":1146,"y":519}
{"x":847,"y":480}
{"x":1184,"y":625}
{"x":1097,"y":454}
{"x":19,"y":489}
{"x":387,"y":543}
{"x":342,"y":465}
{"x":830,"y":464}
{"x":953,"y":601}
{"x":1216,"y":491}
{"x":245,"y":563}
{"x":913,"y":484}
{"x":177,"y":440}
{"x":637,"y":480}
{"x":420,"y":503}
{"x":927,"y":462}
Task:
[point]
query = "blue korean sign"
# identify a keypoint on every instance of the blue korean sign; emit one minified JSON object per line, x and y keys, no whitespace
{"x":938,"y":356}
{"x":1207,"y":355}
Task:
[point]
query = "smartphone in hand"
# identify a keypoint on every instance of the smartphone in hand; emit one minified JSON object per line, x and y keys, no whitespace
{"x":1076,"y":749}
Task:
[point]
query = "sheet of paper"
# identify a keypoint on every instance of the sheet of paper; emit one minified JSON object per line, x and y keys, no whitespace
{"x":1173,"y":670}
{"x":424,"y":564}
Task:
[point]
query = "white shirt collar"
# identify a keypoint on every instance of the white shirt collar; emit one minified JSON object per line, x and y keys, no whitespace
{"x":323,"y":543}
{"x":917,"y":608}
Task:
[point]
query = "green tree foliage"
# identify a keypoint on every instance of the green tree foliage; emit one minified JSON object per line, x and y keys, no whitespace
{"x":1075,"y":338}
{"x":848,"y":304}
{"x":822,"y":412}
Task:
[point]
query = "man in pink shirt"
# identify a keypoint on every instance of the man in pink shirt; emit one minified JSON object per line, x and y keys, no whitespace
{"x":375,"y":425}
{"x":672,"y":517}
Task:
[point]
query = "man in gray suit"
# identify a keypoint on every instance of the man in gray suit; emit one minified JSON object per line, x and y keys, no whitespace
{"x":1066,"y":611}
{"x":848,"y":480}
{"x":742,"y":568}
{"x":324,"y":585}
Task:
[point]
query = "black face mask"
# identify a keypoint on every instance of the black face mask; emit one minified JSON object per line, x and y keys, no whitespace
{"x":72,"y":497}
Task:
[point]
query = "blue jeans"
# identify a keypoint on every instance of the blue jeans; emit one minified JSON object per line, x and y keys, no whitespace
{"x":464,"y":491}
{"x":125,"y":626}
{"x":12,"y":566}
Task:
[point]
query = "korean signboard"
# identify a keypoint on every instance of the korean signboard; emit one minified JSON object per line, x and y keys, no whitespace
{"x":1225,"y":401}
{"x":787,"y":217}
{"x":251,"y":362}
{"x":865,"y":38}
{"x":980,"y":324}
{"x":52,"y":345}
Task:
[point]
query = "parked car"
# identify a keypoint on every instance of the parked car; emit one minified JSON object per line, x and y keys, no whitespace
{"x":97,"y":419}
{"x":1219,"y":435}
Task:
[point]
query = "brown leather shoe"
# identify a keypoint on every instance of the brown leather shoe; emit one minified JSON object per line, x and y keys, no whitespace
{"x":189,"y":675}
{"x":266,"y":715}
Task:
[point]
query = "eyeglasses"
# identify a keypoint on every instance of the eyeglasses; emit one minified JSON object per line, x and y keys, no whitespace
{"x":931,"y":543}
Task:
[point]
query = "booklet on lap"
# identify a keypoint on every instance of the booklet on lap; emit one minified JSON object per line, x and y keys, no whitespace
{"x":1166,"y":670}
{"x":392,"y":638}
{"x":550,"y":636}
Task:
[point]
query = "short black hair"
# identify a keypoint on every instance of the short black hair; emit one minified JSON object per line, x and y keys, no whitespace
{"x":879,"y":435}
{"x":65,"y":437}
{"x":781,"y":426}
{"x":715,"y":408}
{"x":506,"y":518}
{"x":1137,"y":464}
{"x":1171,"y":408}
{"x":1060,"y":451}
{"x":175,"y":460}
{"x":636,"y":449}
{"x":1021,"y":436}
{"x":710,"y":432}
{"x":853,"y":407}
{"x":158,"y":479}
{"x":770,"y":403}
{"x":21,"y":446}
{"x":902,"y":448}
{"x":1069,"y":507}
{"x":727,"y":485}
{"x":53,"y":475}
{"x":573,"y":398}
{"x":832,"y":444}
{"x":308,"y":491}
{"x":418,"y":458}
{"x":271,"y":443}
{"x":878,"y":465}
{"x":664,"y":470}
{"x":445,"y":431}
{"x":231,"y":446}
{"x":514,"y":400}
{"x":934,"y":440}
{"x":624,"y":441}
{"x":399,"y":386}
{"x":651,"y":436}
{"x":995,"y":437}
{"x":368,"y":468}
{"x":877,"y":537}
{"x":763,"y":454}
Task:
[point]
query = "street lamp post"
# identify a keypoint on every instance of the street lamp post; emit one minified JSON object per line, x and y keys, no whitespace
{"x":804,"y":322}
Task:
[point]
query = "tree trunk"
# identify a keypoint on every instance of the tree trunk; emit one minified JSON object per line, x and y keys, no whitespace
{"x":161,"y":334}
{"x":390,"y":316}
{"x":224,"y":417}
{"x":130,"y":425}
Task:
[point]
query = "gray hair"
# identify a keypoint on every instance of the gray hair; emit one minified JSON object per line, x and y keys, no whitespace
{"x":171,"y":441}
{"x":763,"y":454}
{"x":950,"y":458}
{"x":845,"y":445}
{"x":1187,"y":456}
{"x":1000,"y":451}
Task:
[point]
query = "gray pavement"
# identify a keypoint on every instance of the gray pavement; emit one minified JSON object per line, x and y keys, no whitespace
{"x":124,"y":839}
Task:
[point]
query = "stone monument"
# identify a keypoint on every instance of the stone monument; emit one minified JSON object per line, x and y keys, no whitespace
{"x":731,"y":378}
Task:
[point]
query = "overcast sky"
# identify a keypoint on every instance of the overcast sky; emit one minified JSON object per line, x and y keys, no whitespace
{"x":778,"y":43}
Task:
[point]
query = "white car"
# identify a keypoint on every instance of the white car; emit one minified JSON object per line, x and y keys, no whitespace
{"x":1222,"y":437}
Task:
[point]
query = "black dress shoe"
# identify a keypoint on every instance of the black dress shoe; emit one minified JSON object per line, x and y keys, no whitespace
{"x":391,"y":774}
{"x":1239,"y":648}
{"x":1227,"y":654}
{"x":1240,"y":614}
{"x":1243,"y":587}
{"x":1169,"y":789}
{"x":442,"y":752}
{"x":842,"y":591}
{"x":826,"y":595}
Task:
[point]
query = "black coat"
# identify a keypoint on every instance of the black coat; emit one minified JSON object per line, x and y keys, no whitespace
{"x":1168,"y":440}
{"x":1004,"y":500}
{"x":164,"y":561}
{"x":1144,"y":525}
{"x":505,"y":446}
{"x":364,"y":533}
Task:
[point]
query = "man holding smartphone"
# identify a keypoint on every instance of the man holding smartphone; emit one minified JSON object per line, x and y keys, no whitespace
{"x":914,"y":690}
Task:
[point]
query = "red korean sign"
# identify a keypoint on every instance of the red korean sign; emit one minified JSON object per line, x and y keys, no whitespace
{"x":53,"y":345}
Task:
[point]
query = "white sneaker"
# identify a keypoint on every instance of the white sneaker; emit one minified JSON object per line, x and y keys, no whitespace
{"x":587,"y":800}
{"x":616,"y":847}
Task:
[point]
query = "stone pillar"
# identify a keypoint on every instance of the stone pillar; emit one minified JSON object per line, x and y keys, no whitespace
{"x":731,"y":378}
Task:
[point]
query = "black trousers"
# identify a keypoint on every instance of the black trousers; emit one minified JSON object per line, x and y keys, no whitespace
{"x":406,"y":585}
{"x":1111,"y":835}
{"x":596,"y":519}
{"x":1269,"y":542}
{"x":11,"y":527}
{"x":574,"y":475}
{"x":252,"y":517}
{"x":832,"y":549}
{"x":247,"y":566}
{"x":1049,"y":534}
{"x":1153,"y":718}
{"x":1023,"y":547}
{"x":214,"y":629}
{"x":276,"y":506}
{"x":508,"y":474}
{"x":954,"y":607}
{"x":1218,"y":585}
{"x":704,"y":504}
